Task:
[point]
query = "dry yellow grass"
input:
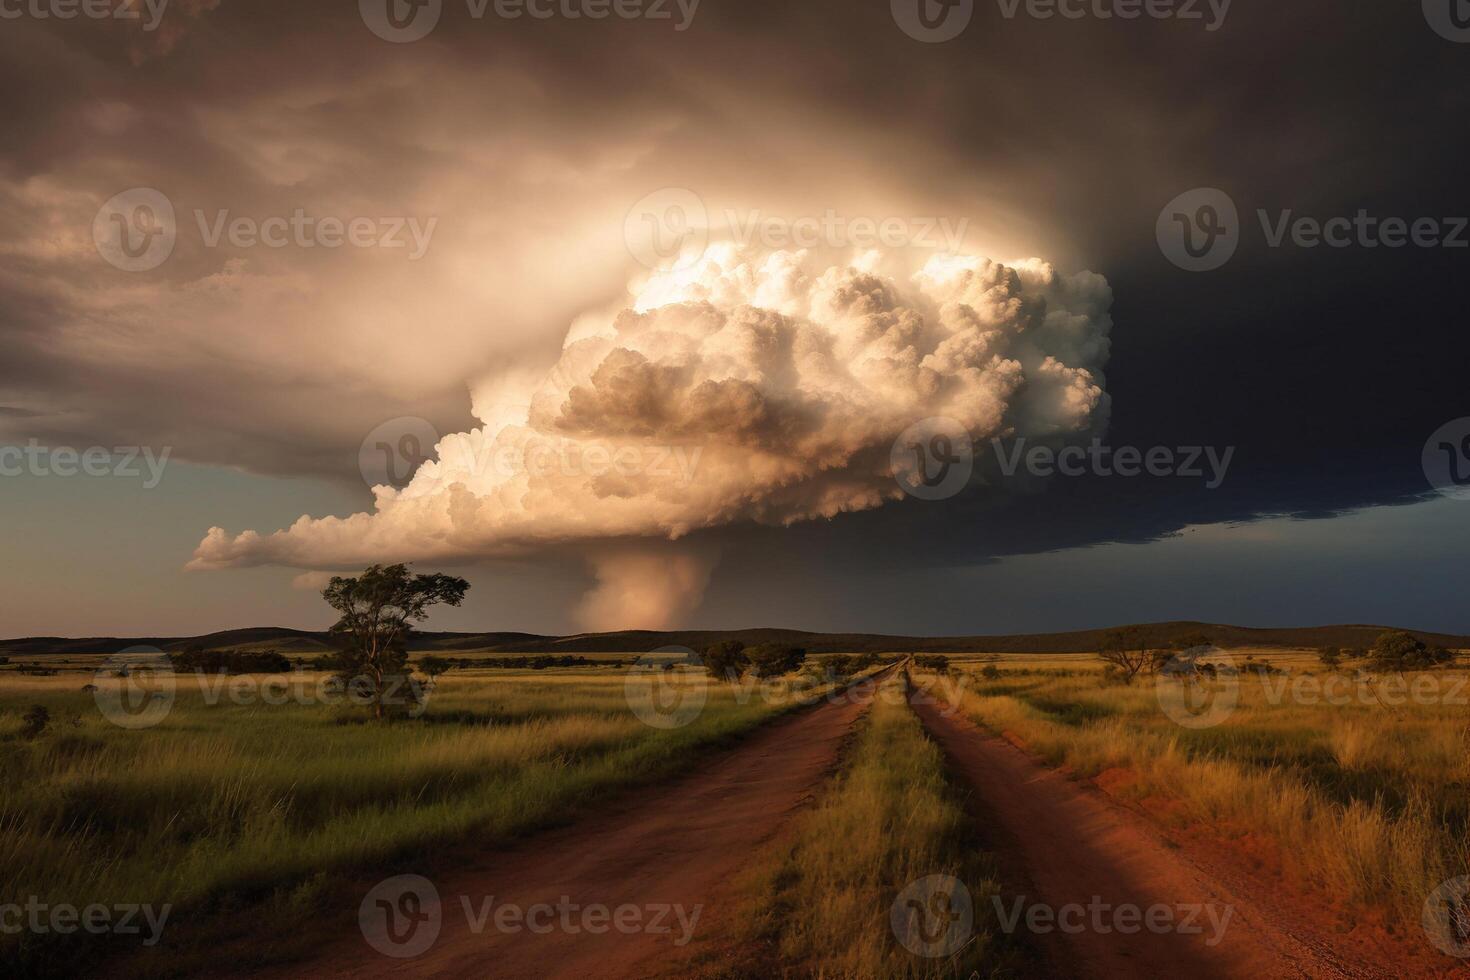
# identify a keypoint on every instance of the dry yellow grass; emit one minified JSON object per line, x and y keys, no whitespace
{"x":1368,"y":798}
{"x":820,"y":897}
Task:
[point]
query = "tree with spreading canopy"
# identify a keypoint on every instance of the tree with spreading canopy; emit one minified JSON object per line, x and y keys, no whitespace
{"x":1126,"y":652}
{"x":774,"y":659}
{"x":726,"y":660}
{"x":1398,"y":651}
{"x":378,"y":610}
{"x":433,"y":666}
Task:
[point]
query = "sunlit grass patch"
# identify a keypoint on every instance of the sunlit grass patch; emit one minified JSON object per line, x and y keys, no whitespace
{"x":1369,"y":801}
{"x":821,"y":897}
{"x":224,"y":806}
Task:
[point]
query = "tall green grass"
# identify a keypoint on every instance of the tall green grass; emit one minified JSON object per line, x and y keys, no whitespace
{"x":222,"y":807}
{"x":820,"y":898}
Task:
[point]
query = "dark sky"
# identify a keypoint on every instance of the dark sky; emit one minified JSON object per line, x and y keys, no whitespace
{"x":262,"y":370}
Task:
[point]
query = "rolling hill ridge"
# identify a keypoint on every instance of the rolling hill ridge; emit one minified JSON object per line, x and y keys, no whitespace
{"x":645,"y":641}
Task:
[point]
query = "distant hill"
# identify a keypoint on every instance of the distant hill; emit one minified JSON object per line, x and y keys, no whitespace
{"x":645,"y":641}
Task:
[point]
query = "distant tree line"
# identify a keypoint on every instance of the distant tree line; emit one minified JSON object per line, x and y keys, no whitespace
{"x":730,"y":660}
{"x":847,"y":664}
{"x":1393,"y":652}
{"x":1129,"y":653}
{"x":434,"y":665}
{"x":198,"y":660}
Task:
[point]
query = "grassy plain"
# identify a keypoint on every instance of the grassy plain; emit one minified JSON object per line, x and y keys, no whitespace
{"x":1359,"y":783}
{"x":259,"y":811}
{"x":819,"y":899}
{"x":259,"y":802}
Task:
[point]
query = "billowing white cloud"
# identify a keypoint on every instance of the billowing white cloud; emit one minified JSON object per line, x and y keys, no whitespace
{"x":745,"y":387}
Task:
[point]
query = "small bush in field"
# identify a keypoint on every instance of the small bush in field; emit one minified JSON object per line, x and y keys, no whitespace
{"x":434,"y":666}
{"x":774,"y":659}
{"x":990,"y":672}
{"x":726,"y":660}
{"x":1399,"y":651}
{"x":35,"y":721}
{"x":199,"y":660}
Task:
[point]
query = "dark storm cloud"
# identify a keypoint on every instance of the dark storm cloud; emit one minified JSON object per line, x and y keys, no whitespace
{"x":529,"y":140}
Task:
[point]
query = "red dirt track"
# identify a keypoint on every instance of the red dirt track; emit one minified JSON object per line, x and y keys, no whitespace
{"x":677,"y":843}
{"x":1067,"y":844}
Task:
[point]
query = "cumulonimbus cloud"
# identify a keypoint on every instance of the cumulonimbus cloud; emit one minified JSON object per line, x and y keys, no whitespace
{"x":745,"y":387}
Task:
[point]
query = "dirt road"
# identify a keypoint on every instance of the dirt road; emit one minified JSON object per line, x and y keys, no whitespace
{"x":665,"y":854}
{"x":1066,"y":845}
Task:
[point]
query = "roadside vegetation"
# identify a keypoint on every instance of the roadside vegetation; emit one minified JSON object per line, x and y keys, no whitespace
{"x":266,"y":806}
{"x":1354,"y":764}
{"x":817,"y":902}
